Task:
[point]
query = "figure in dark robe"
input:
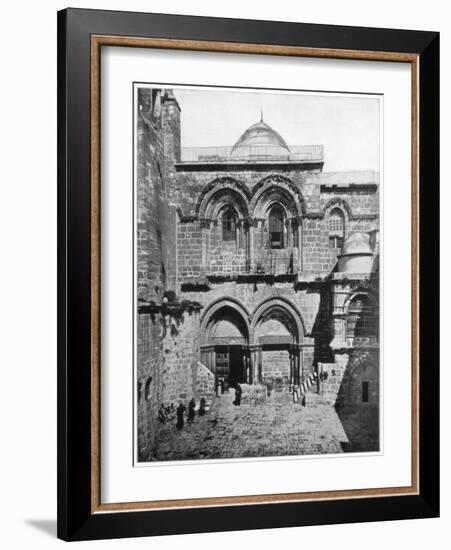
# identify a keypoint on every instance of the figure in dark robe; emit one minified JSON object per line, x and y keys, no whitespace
{"x":290,"y":269}
{"x":202,"y":405}
{"x":238,"y":392}
{"x":180,"y":414}
{"x":191,"y":411}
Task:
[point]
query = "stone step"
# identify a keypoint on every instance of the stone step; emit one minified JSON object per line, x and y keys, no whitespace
{"x":313,"y":398}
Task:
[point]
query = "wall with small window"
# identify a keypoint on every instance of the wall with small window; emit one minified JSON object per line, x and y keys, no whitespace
{"x":276,"y":230}
{"x":225,"y":241}
{"x":362,"y":386}
{"x":336,"y":230}
{"x":277,"y":238}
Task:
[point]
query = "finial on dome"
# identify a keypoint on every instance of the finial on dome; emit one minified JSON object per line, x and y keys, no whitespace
{"x":261,"y":115}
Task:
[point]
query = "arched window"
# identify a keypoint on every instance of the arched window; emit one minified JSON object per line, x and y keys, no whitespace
{"x":361,"y":321}
{"x":229,"y":225}
{"x":276,"y":227}
{"x":336,"y":229}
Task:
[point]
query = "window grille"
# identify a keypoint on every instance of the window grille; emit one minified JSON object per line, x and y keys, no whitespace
{"x":276,"y":227}
{"x":336,"y":229}
{"x":228,"y":226}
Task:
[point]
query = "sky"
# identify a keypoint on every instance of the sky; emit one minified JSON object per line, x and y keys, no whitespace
{"x":348,"y":126}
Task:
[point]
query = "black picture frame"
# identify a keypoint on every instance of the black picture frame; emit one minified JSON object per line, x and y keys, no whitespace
{"x":76,"y":521}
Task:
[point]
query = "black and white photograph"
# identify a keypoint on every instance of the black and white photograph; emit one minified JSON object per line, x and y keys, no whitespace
{"x":257,"y":273}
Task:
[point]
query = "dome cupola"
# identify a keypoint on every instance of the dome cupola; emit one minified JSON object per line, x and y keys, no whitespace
{"x":260,"y":140}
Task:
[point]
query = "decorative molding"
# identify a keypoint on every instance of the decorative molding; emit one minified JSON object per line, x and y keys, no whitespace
{"x":275,"y":182}
{"x":173,"y":309}
{"x":221,"y":184}
{"x":349,"y":188}
{"x":314,"y":215}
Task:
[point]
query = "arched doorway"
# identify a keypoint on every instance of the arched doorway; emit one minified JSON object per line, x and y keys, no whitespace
{"x":278,"y":333}
{"x":225,"y":350}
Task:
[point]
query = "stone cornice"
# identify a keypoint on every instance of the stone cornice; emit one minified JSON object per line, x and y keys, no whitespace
{"x":349,"y":188}
{"x":174,"y":309}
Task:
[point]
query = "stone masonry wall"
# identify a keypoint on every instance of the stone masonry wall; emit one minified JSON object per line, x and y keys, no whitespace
{"x":276,"y":365}
{"x":180,"y":346}
{"x":211,"y":255}
{"x":152,"y":251}
{"x":158,"y":148}
{"x":180,"y":252}
{"x":189,"y":250}
{"x":151,"y":201}
{"x":251,"y":296}
{"x":226,"y":258}
{"x":148,"y":399}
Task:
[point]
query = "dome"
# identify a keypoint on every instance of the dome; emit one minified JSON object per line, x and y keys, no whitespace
{"x":260,"y":139}
{"x":357,"y":243}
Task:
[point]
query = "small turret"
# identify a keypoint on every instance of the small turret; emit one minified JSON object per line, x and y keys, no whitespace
{"x":357,"y":255}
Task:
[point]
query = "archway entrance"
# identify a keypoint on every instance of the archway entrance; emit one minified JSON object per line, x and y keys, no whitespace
{"x":231,"y":364}
{"x":278,"y":334}
{"x":226,"y":351}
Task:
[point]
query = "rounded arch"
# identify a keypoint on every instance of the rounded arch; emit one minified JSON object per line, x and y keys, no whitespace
{"x":284,"y":312}
{"x":365,"y":294}
{"x":221,"y":203}
{"x":361,"y":317}
{"x":276,"y":188}
{"x":225,"y":308}
{"x":221,"y":191}
{"x":339,"y":204}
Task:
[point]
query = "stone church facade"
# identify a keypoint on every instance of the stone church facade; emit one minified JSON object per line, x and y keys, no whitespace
{"x":253,"y":266}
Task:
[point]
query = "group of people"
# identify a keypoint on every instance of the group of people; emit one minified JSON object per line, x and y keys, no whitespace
{"x":222,"y":386}
{"x":191,"y":412}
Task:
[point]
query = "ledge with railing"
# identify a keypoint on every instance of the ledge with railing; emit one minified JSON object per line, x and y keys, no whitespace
{"x":282,"y":264}
{"x":257,"y":153}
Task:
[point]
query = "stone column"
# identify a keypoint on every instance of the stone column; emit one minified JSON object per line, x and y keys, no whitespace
{"x":250,"y":244}
{"x":256,"y":367}
{"x":260,"y":365}
{"x":251,"y":365}
{"x":205,"y":232}
{"x":300,"y":246}
{"x":254,"y":355}
{"x":297,"y":377}
{"x":211,"y":361}
{"x":300,"y":365}
{"x":292,"y":367}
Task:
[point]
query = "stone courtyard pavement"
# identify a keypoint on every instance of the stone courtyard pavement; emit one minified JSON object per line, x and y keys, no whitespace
{"x":278,"y":427}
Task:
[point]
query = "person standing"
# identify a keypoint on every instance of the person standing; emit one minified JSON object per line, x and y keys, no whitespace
{"x":191,"y":411}
{"x":202,"y":406}
{"x":238,"y":392}
{"x":180,"y":414}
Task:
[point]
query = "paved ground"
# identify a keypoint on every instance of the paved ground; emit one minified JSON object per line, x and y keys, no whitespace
{"x":277,"y":428}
